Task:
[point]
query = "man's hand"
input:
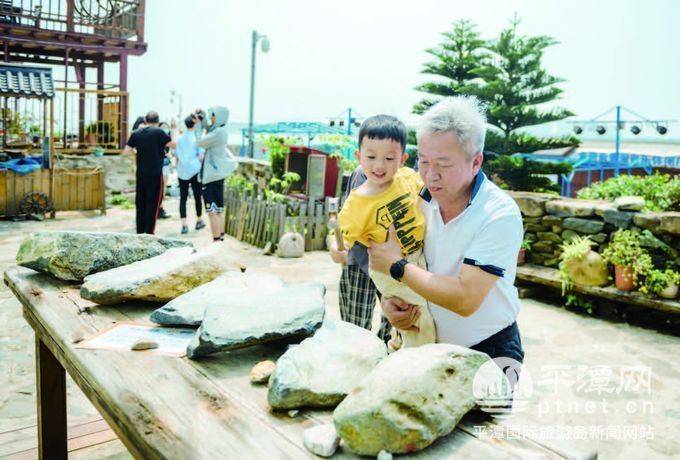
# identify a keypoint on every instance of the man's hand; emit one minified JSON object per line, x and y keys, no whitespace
{"x":401,"y":315}
{"x":339,"y":257}
{"x":383,"y":255}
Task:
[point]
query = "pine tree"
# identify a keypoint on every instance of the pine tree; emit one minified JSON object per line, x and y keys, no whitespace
{"x":456,"y":58}
{"x":515,"y":84}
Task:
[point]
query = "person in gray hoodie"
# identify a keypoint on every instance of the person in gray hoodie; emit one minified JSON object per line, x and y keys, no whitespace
{"x":218,"y":163}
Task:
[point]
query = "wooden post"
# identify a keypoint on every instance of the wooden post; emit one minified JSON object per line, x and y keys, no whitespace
{"x":52,"y":194}
{"x":123,"y":104}
{"x":4,"y":122}
{"x":66,"y":61}
{"x":100,"y":87}
{"x":51,"y":399}
{"x":80,"y":75}
{"x":69,"y":15}
{"x":140,"y":20}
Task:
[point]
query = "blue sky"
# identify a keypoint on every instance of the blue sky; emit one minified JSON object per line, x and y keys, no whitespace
{"x":327,"y":56}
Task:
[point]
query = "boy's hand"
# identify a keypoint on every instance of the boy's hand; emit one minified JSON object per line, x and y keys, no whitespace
{"x":383,"y":255}
{"x":339,"y":257}
{"x":400,"y":314}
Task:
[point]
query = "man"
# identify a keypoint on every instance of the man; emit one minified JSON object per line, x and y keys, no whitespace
{"x":474,"y":232}
{"x":150,"y":143}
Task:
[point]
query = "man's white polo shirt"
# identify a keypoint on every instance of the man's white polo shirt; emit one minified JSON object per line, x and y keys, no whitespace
{"x":488,"y":234}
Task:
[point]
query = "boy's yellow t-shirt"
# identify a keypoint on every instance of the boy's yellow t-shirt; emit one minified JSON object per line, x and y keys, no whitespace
{"x":365,"y":218}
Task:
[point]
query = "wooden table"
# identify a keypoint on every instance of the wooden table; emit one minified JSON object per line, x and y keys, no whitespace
{"x":169,"y":407}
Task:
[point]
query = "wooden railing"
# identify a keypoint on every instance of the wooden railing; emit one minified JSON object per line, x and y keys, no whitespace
{"x":122,"y":19}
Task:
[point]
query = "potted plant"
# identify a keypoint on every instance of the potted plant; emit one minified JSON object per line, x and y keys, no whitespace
{"x":579,"y":264}
{"x":521,"y":256}
{"x":34,"y":131}
{"x":629,"y":258}
{"x":662,"y":283}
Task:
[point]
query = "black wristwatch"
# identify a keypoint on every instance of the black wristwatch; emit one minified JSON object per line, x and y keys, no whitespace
{"x":397,"y":269}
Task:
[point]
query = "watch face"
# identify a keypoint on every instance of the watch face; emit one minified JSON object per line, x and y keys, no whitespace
{"x":397,"y":269}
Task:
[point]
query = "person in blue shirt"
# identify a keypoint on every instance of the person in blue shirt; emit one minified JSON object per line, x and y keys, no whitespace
{"x":189,"y":157}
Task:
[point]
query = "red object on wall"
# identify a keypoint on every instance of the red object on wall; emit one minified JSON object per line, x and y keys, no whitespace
{"x":298,"y":161}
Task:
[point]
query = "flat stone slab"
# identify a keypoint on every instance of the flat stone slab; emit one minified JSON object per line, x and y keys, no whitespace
{"x":188,"y":309}
{"x":323,"y":369}
{"x":259,"y":316}
{"x":72,"y":255}
{"x":159,"y":279}
{"x":532,"y":204}
{"x":410,"y":399}
{"x":573,"y":208}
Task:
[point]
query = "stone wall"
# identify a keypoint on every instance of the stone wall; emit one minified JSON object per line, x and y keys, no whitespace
{"x":549,"y":220}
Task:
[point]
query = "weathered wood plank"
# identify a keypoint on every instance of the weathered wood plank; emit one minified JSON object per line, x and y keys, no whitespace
{"x":550,"y":277}
{"x":159,"y":406}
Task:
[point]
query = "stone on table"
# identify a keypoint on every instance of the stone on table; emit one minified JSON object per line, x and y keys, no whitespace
{"x":159,"y":279}
{"x":188,"y":309}
{"x":410,"y":399}
{"x":259,"y":316}
{"x":323,"y":369}
{"x":72,"y":255}
{"x":261,"y":371}
{"x":321,"y":440}
{"x":143,"y":344}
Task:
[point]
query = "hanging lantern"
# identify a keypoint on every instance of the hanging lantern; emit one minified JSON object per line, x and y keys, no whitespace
{"x":332,"y":123}
{"x":635,"y":129}
{"x":578,"y":129}
{"x":661,"y":129}
{"x":600,"y":129}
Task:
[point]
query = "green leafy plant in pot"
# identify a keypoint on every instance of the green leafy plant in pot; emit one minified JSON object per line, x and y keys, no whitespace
{"x":630,"y":259}
{"x":579,"y":264}
{"x":661,"y":283}
{"x":522,"y":255}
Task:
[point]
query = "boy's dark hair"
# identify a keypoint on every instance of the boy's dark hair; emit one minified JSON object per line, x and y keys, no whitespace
{"x":384,"y":127}
{"x":189,"y":122}
{"x":152,"y":117}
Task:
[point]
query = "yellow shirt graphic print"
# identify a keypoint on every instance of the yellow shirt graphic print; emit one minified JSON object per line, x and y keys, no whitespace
{"x":368,"y":218}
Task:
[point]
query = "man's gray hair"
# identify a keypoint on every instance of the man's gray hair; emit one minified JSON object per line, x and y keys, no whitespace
{"x":465,"y":116}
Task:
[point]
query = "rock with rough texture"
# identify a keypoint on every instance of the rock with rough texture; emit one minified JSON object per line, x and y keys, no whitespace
{"x":410,"y":399}
{"x":260,"y":316}
{"x":261,"y":371}
{"x":549,"y":236}
{"x":588,"y":226}
{"x":321,"y":440}
{"x":320,"y":371}
{"x":159,"y":279}
{"x":551,"y":220}
{"x":532,"y":204}
{"x":649,"y":220}
{"x":670,"y":223}
{"x":188,"y":309}
{"x":72,"y":255}
{"x":291,"y":245}
{"x":629,"y":203}
{"x":571,"y":208}
{"x":620,"y":219}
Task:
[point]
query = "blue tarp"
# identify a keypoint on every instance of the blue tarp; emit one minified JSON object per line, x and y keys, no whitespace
{"x":23,"y":165}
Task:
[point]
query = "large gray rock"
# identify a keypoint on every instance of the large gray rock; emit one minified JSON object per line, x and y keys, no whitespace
{"x":71,"y":255}
{"x":532,"y":204}
{"x":410,"y":399}
{"x":259,"y":316}
{"x":188,"y":309}
{"x":321,"y":370}
{"x":572,"y":208}
{"x":159,"y":279}
{"x":580,"y":225}
{"x":621,"y":219}
{"x":629,"y":203}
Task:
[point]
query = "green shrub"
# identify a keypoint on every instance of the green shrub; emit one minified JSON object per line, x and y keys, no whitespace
{"x":518,"y":173}
{"x":657,"y":280}
{"x":625,"y":250}
{"x":660,"y":191}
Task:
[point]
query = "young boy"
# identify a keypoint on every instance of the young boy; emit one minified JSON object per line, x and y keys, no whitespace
{"x":389,"y":197}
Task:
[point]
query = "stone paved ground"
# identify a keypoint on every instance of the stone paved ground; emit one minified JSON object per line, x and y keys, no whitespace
{"x":588,"y":374}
